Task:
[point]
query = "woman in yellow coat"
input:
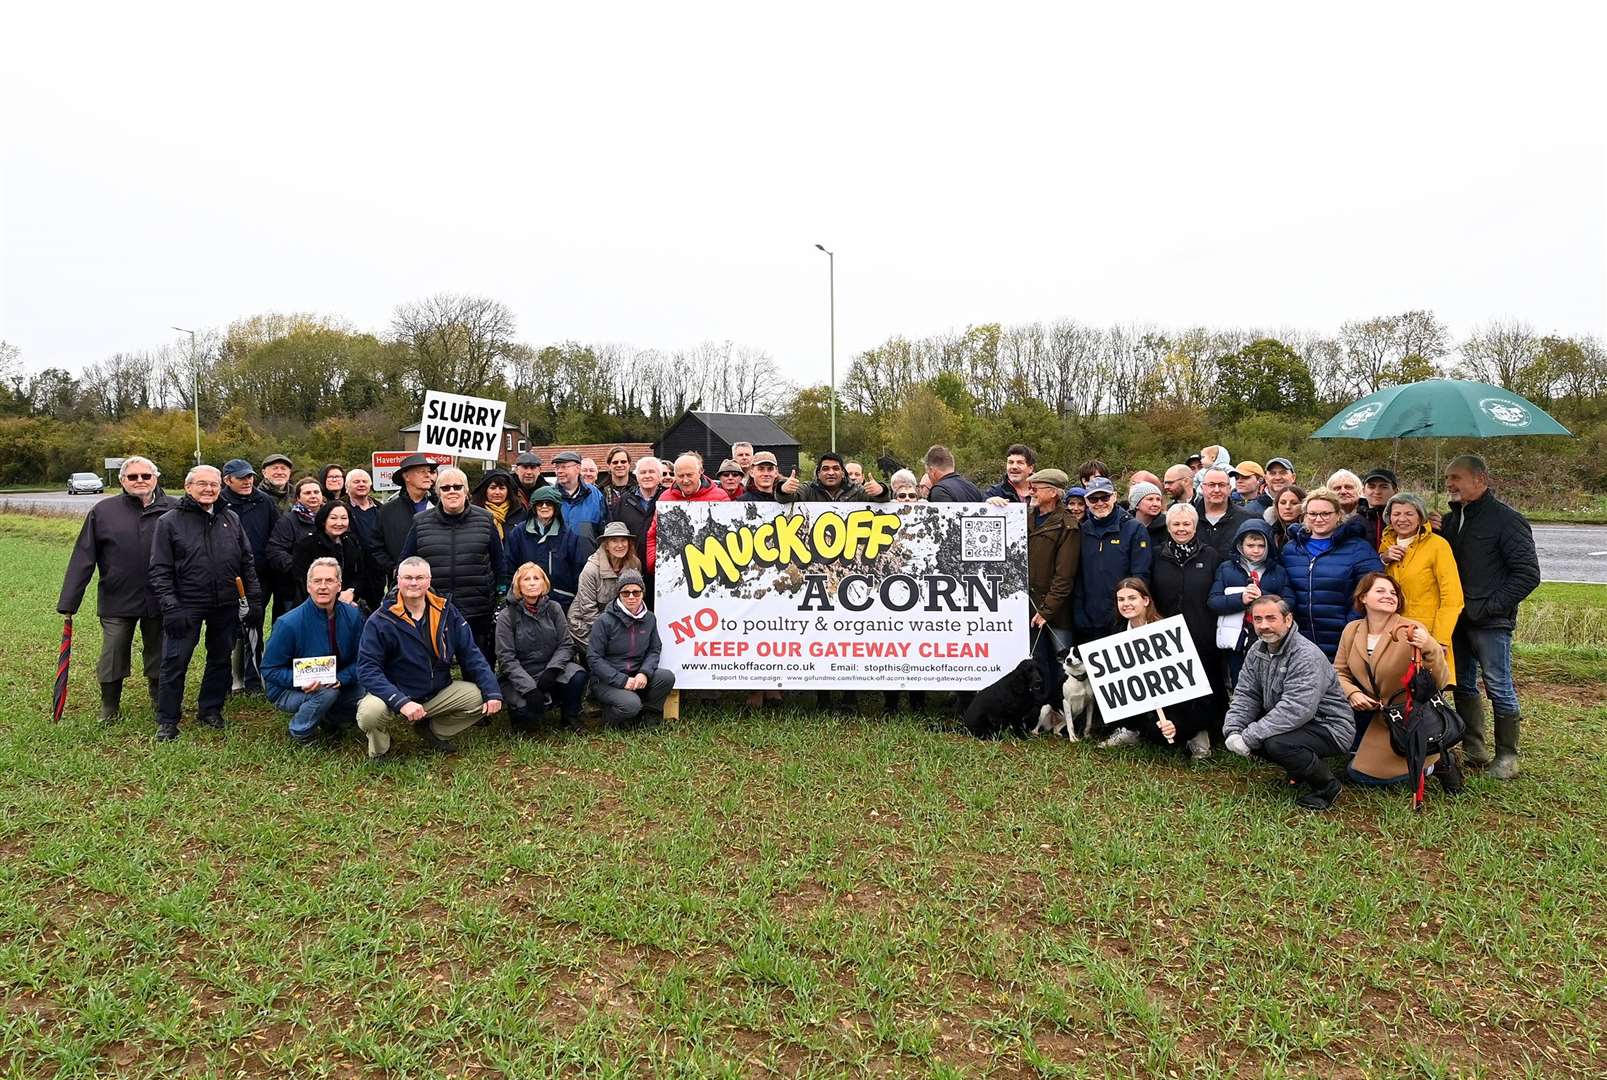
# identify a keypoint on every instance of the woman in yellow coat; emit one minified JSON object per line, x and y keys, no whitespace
{"x":1420,"y":562}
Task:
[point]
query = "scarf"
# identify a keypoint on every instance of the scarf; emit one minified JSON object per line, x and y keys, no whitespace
{"x":536,"y":528}
{"x":303,"y":515}
{"x":534,"y":608}
{"x":636,"y":616}
{"x":1182,"y":553}
{"x":499,"y":514}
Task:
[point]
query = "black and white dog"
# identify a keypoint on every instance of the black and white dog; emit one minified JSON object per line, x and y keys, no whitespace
{"x":1009,"y":703}
{"x":1077,"y":718}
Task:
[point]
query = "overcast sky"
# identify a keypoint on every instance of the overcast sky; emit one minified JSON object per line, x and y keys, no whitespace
{"x":659,"y":174}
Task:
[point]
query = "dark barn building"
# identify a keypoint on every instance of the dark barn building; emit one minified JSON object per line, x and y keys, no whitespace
{"x":712,"y":433}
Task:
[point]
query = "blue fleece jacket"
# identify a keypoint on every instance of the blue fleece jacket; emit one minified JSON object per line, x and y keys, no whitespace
{"x":304,"y":631}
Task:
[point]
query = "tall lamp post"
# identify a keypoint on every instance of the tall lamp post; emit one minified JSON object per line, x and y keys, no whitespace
{"x":831,"y":279}
{"x":195,"y":391}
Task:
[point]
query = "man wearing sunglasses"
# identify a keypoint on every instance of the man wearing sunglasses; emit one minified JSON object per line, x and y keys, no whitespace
{"x":116,"y":540}
{"x":623,"y":653}
{"x":1114,"y":546}
{"x":459,"y":540}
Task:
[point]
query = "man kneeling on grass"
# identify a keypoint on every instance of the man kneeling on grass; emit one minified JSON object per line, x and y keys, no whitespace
{"x":1288,"y":708}
{"x":405,"y":663}
{"x":320,"y":627}
{"x":623,"y":652}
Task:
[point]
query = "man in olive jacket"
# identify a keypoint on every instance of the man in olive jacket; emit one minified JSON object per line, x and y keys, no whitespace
{"x":116,"y":541}
{"x":1496,"y":560}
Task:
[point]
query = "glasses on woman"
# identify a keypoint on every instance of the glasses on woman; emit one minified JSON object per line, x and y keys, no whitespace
{"x":907,"y":496}
{"x":630,"y":590}
{"x":453,"y":487}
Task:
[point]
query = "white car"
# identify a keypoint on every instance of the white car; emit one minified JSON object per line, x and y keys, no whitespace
{"x":85,"y":483}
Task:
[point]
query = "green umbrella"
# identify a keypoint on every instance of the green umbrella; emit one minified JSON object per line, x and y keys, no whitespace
{"x":1440,"y":408}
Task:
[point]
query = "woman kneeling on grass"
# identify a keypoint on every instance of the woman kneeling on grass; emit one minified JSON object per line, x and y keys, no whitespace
{"x":1374,"y":654}
{"x":536,"y":654}
{"x":1135,"y":604}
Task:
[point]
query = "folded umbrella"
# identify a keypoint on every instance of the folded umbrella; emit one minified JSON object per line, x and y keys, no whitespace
{"x":64,"y":659}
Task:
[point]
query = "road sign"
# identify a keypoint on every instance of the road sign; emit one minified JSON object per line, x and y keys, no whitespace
{"x":383,"y":466}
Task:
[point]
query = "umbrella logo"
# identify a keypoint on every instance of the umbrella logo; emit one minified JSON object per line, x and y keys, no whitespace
{"x":1360,"y":416}
{"x":1505,"y":412}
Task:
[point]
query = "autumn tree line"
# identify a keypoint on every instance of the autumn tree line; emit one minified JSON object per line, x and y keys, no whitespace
{"x":320,"y":389}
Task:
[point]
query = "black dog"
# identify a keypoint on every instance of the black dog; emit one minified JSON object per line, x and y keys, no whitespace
{"x":1011,"y":702}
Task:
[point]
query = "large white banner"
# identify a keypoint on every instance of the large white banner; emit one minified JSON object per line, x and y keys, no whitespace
{"x":841,"y":595}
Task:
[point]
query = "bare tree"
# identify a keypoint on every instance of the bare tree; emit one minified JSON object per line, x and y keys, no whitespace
{"x":1501,"y":352}
{"x":454,"y":342}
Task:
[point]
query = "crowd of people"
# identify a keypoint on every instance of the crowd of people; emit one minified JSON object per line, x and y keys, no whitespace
{"x":448,"y":602}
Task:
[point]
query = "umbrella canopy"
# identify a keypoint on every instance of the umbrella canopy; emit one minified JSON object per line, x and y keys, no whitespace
{"x":1440,"y":408}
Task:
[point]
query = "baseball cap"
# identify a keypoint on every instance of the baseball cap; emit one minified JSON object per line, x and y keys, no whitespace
{"x":1247,"y":468}
{"x":765,"y":457}
{"x":238,"y":467}
{"x":1382,"y":474}
{"x":1285,"y":462}
{"x":1098,"y":484}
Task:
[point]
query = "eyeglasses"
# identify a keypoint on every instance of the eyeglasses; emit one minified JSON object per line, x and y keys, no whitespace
{"x":453,"y":487}
{"x":139,"y":476}
{"x":1319,"y":513}
{"x":1099,"y":497}
{"x":630,"y":592}
{"x":204,"y":484}
{"x":907,"y":496}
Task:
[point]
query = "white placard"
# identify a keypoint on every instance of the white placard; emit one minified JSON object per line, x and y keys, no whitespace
{"x":458,"y":424}
{"x":306,"y":670}
{"x":841,"y":595}
{"x":1144,"y":669}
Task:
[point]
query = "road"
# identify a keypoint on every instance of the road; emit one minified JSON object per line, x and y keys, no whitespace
{"x":1567,"y":552}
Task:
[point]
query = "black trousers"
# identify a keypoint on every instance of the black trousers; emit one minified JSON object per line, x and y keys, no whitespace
{"x":222,"y":624}
{"x":1300,"y":752}
{"x":484,"y":629}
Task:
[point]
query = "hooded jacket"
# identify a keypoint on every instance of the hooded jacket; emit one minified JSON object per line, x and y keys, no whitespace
{"x":560,"y":553}
{"x":399,"y":660}
{"x":1495,"y":558}
{"x":1431,"y":588}
{"x":584,"y":511}
{"x":514,"y":516}
{"x":1054,"y":551}
{"x":305,"y":631}
{"x":1234,"y":573}
{"x":599,"y":587}
{"x":1321,"y":585}
{"x":465,"y":557}
{"x":195,"y":557}
{"x":1223,"y":534}
{"x":115,"y":540}
{"x":1113,"y":547}
{"x":708,"y":492}
{"x":621,"y":646}
{"x":1282,"y":689}
{"x":528,"y":644}
{"x":355,"y":573}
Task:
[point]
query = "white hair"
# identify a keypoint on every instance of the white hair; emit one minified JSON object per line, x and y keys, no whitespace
{"x":694,"y":456}
{"x":636,"y":470}
{"x":1181,"y":509}
{"x":1343,"y":474}
{"x":137,"y":460}
{"x":196,"y":470}
{"x":448,"y":471}
{"x":323,"y":561}
{"x":359,"y":472}
{"x":903,"y":478}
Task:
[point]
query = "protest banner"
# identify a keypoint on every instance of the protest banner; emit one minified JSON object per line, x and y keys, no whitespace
{"x":841,"y":595}
{"x":458,"y":424}
{"x":1144,"y":669}
{"x":382,"y":466}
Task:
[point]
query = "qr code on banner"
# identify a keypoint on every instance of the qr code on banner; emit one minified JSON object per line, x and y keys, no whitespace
{"x":982,"y":539}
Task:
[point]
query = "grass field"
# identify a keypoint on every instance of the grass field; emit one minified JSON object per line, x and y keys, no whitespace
{"x":800,"y":894}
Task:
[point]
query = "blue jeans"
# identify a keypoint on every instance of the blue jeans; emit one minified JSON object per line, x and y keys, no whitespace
{"x":1489,"y":651}
{"x":307,"y":711}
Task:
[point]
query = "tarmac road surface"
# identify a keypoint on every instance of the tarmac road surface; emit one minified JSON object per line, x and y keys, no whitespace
{"x":1567,"y":552}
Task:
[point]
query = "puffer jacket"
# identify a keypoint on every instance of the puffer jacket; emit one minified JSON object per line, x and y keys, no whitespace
{"x":1431,"y":588}
{"x":561,"y":553}
{"x":1183,"y":587}
{"x":1234,"y":573}
{"x":465,"y":557}
{"x":709,"y":492}
{"x":622,"y":646}
{"x":1054,"y":551}
{"x":115,"y":541}
{"x":1113,"y":547}
{"x":530,"y":643}
{"x":1285,"y":688}
{"x":1495,"y":557}
{"x":1322,"y":585}
{"x":195,"y":557}
{"x":599,"y":587}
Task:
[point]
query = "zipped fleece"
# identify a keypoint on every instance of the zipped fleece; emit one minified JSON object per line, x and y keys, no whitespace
{"x":400,"y":660}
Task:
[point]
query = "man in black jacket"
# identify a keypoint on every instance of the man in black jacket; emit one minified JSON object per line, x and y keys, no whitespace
{"x":116,"y":540}
{"x":459,"y":540}
{"x":1496,"y":560}
{"x":416,"y":477}
{"x":197,"y":553}
{"x":257,"y":513}
{"x":1219,"y":518}
{"x":946,"y":484}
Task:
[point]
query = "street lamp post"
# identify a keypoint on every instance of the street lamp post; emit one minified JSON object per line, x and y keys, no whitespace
{"x":195,"y":391}
{"x":831,"y":279}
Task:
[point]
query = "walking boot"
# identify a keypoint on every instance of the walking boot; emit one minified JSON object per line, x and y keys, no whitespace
{"x":1324,"y":788}
{"x":111,"y":698}
{"x":1505,"y":766}
{"x":1475,"y":744}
